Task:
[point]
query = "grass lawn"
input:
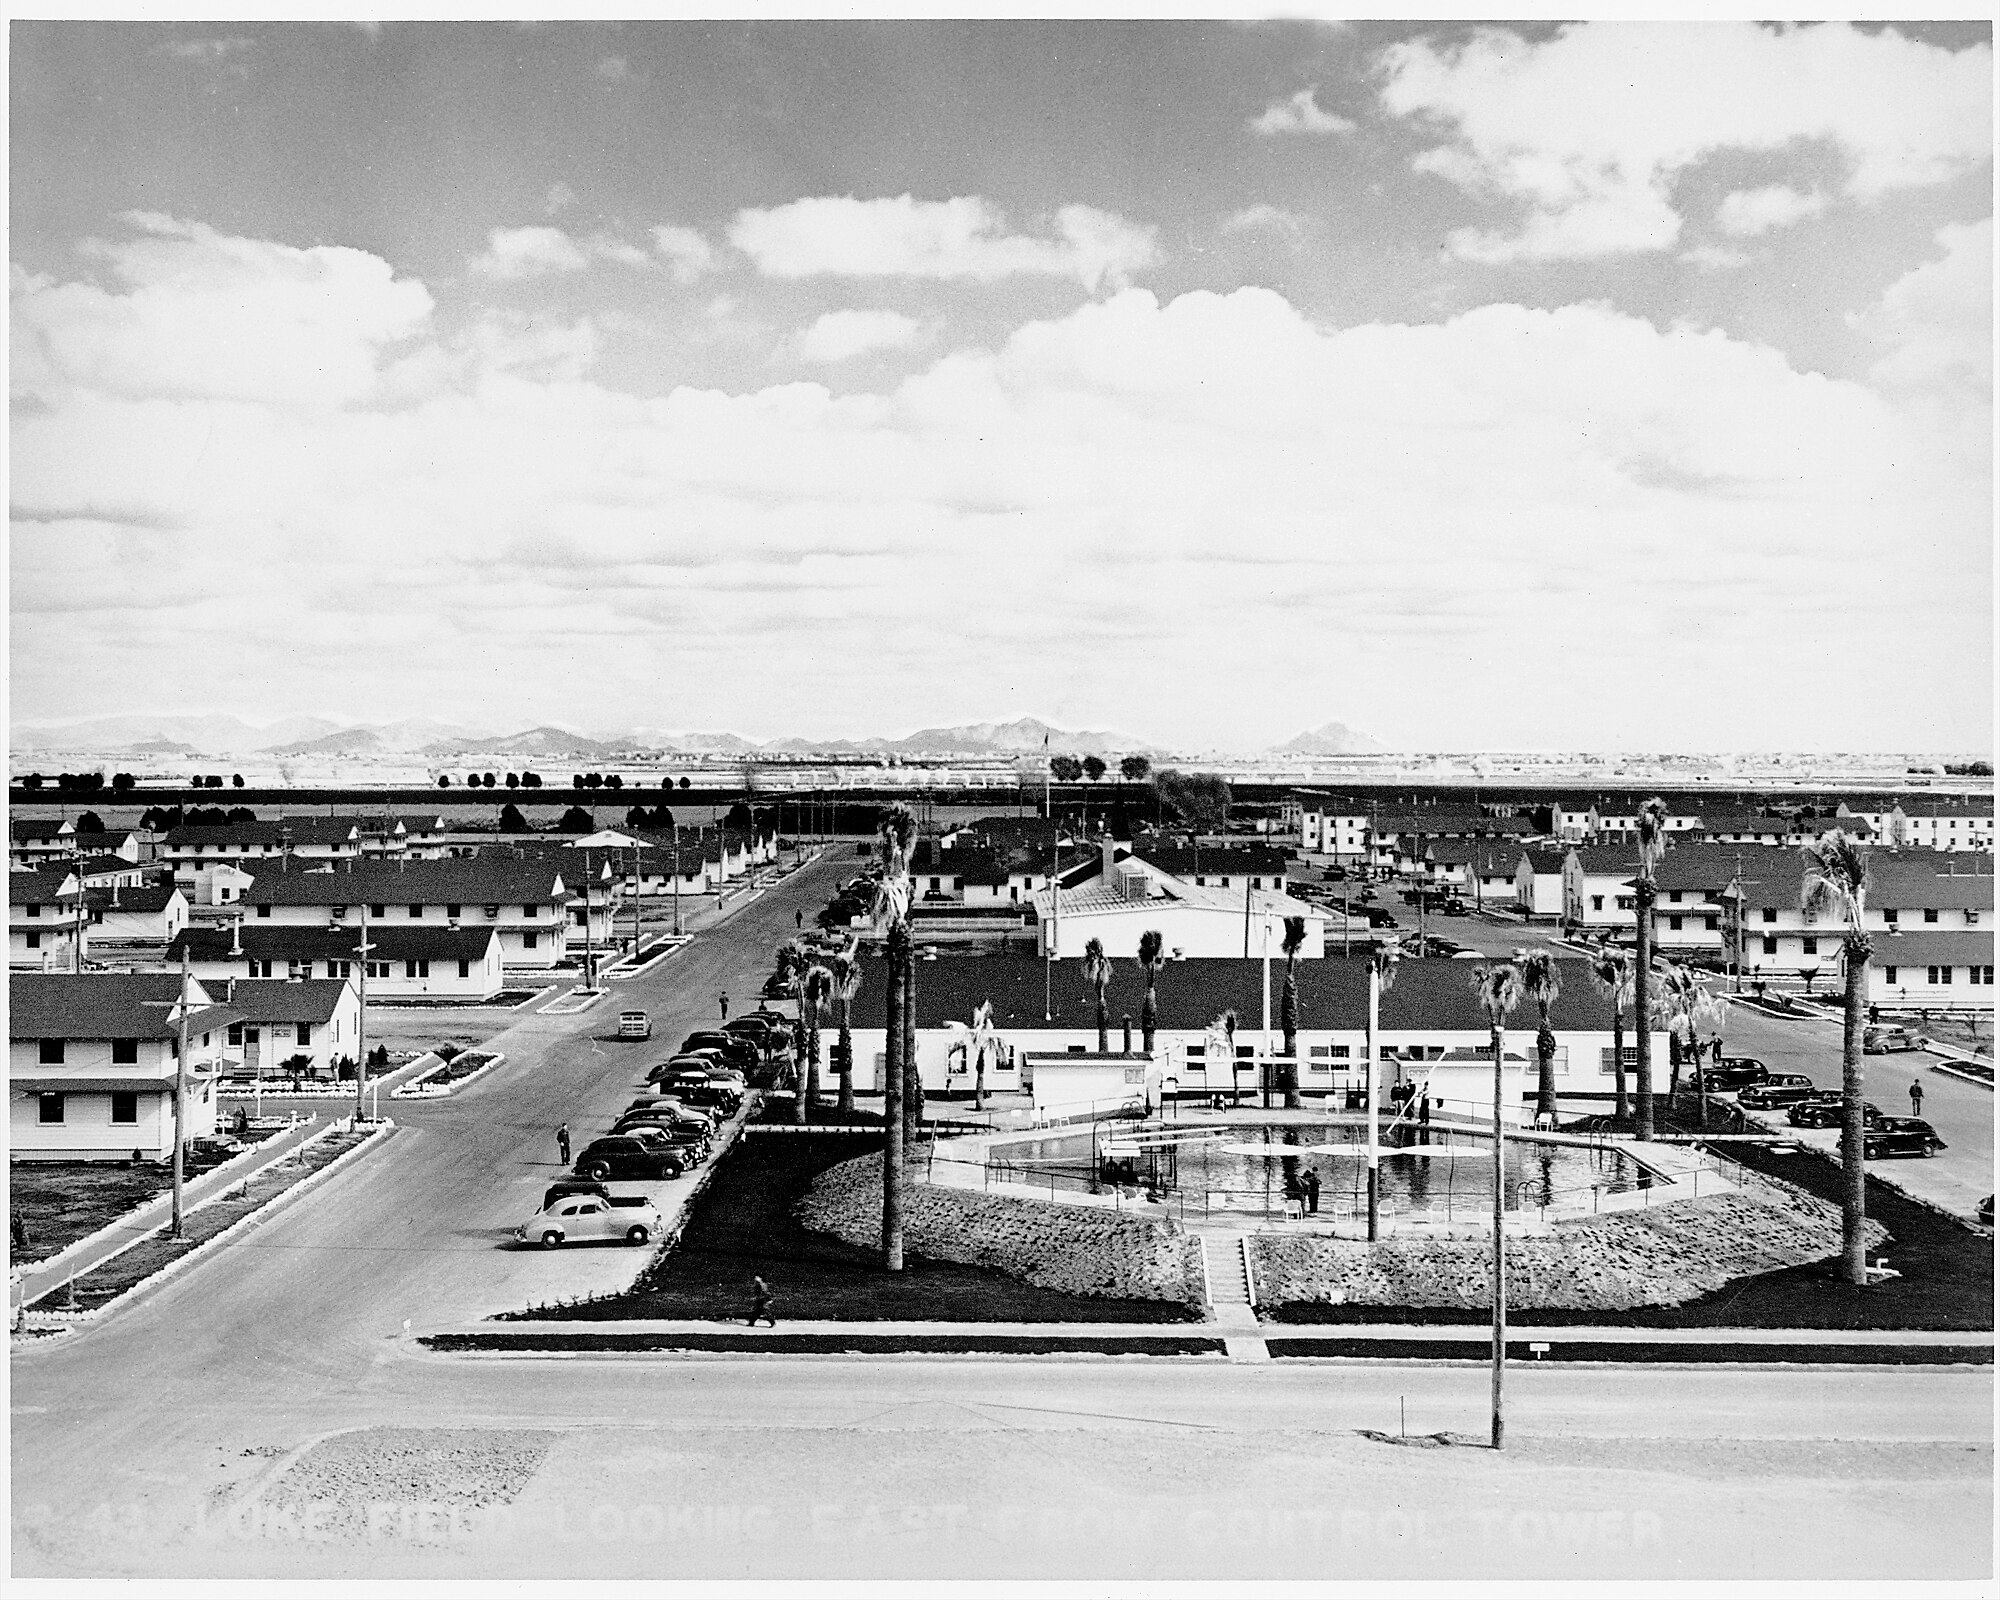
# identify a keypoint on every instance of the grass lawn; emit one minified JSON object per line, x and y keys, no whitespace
{"x":742,"y":1226}
{"x":1946,"y":1280}
{"x":61,"y":1202}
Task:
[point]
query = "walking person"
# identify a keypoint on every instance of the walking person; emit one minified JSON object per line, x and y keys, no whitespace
{"x":760,"y":1303}
{"x":799,"y":920}
{"x":1311,"y":1182}
{"x":1916,"y":1097}
{"x":724,"y":998}
{"x":562,"y":1143}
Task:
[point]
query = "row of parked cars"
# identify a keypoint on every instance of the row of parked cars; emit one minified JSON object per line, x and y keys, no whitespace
{"x":1806,"y":1105}
{"x":665,"y":1131}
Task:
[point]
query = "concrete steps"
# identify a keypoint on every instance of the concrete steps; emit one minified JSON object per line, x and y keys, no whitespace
{"x":1228,"y":1270}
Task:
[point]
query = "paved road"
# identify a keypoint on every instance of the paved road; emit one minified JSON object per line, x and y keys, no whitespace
{"x":131,"y":1442}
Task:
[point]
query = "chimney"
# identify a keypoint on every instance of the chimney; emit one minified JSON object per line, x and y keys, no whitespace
{"x":1109,"y":846}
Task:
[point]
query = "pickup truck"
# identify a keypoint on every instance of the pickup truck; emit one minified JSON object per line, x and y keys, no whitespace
{"x":634,"y":1025}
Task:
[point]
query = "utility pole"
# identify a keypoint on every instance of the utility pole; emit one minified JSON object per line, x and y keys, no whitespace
{"x":677,"y":879}
{"x":1499,"y":1248}
{"x":1375,"y":959}
{"x":587,"y":953}
{"x":1264,"y":1074}
{"x":361,"y":1038}
{"x":180,"y":1097}
{"x":638,"y":895}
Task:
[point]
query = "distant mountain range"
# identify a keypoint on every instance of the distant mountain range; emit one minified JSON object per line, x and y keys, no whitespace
{"x":1329,"y":739}
{"x":306,"y":737}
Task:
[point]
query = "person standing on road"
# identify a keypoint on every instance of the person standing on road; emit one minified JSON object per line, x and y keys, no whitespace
{"x":760,"y":1303}
{"x":562,"y":1143}
{"x":1916,"y":1097}
{"x":724,"y":998}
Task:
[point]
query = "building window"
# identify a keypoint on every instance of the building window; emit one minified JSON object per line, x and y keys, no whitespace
{"x":492,"y":912}
{"x":1596,"y":904}
{"x":1972,"y":919}
{"x":528,"y":941}
{"x":51,"y":1055}
{"x":124,"y":1052}
{"x":1979,"y":975}
{"x":1889,"y":916}
{"x":416,"y":913}
{"x":305,"y":1033}
{"x":452,"y":912}
{"x":1888,"y":974}
{"x":1770,"y":914}
{"x":1809,"y":947}
{"x":34,"y":941}
{"x":49,"y":1107}
{"x":465,"y":969}
{"x":1674,"y":895}
{"x":1930,"y":913}
{"x":124,"y":1106}
{"x":1674,"y":924}
{"x":378,"y":969}
{"x":260,"y":969}
{"x":530,"y":911}
{"x":34,"y":911}
{"x":1770,"y":947}
{"x":339,"y":969}
{"x":236,"y":1033}
{"x":1709,"y":923}
{"x":263,"y":911}
{"x":378,"y":911}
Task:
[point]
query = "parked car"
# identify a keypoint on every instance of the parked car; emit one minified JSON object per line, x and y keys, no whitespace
{"x":624,"y":1157}
{"x":689,"y":1144}
{"x":1777,"y":1089}
{"x":1986,"y":1211}
{"x":680,"y":1108}
{"x":1824,"y":1111}
{"x":1880,"y":1041}
{"x":702,"y":1093}
{"x":576,"y":1219}
{"x":1735,"y":1072}
{"x":564,"y":1188}
{"x":1900,"y":1136}
{"x":736,"y":1050}
{"x":634,"y":1025}
{"x":690,"y":1062}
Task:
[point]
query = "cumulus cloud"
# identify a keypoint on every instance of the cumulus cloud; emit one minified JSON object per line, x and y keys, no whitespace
{"x":961,"y":238}
{"x":206,"y":49}
{"x":1507,"y":484}
{"x":202,"y":314}
{"x":512,"y":254}
{"x":843,"y":335}
{"x":1715,"y":257}
{"x":1299,"y":114}
{"x":1589,"y":130}
{"x":687,"y":254}
{"x":1936,"y":321}
{"x":1746,"y":213}
{"x":1263,"y":216}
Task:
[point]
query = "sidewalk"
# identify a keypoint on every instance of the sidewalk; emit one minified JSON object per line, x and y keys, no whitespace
{"x":37,"y":1279}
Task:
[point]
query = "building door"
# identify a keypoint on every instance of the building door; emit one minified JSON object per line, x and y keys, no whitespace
{"x":252,"y":1049}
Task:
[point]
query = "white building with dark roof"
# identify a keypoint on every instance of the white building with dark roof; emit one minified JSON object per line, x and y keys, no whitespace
{"x":406,"y":963}
{"x":302,"y":1027}
{"x":91,"y":1064}
{"x":47,"y":927}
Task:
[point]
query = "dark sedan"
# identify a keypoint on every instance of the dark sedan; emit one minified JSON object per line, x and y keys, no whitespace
{"x":1823,"y":1111}
{"x":627,"y":1158}
{"x":1900,"y":1136}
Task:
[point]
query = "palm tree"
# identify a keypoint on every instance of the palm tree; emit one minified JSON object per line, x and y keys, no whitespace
{"x":1499,"y":990}
{"x":813,"y":992}
{"x":1228,"y":1023}
{"x":1613,"y":974}
{"x":974,"y":1038}
{"x":1679,"y":995}
{"x":794,"y":960}
{"x":1652,"y":845}
{"x":1381,"y":975}
{"x":891,"y":916}
{"x":1152,"y":957}
{"x":1541,"y":983}
{"x":1836,"y":881}
{"x":1097,"y":973}
{"x":846,"y":969}
{"x":1288,"y":1008}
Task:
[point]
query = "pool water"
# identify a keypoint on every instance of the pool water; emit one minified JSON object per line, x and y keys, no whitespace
{"x":1208,"y":1166}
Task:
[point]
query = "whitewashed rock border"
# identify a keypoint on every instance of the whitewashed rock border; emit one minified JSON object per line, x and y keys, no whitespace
{"x":418,"y":1088}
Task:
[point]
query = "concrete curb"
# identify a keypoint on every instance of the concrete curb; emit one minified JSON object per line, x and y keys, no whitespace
{"x":126,"y":1219}
{"x":418,"y":1089}
{"x":147,"y":1284}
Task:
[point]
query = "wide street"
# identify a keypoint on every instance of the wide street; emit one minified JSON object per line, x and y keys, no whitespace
{"x":136,"y":1443}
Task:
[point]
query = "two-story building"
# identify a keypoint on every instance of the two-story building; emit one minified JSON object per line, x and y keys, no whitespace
{"x":1538,"y":882}
{"x":460,"y":964}
{"x":1933,"y":971}
{"x":525,"y":901}
{"x":47,"y":926}
{"x":135,"y":922}
{"x":1598,"y":898}
{"x":92,"y":1059}
{"x":34,"y":842}
{"x":1334,"y":825}
{"x":1943,"y":822}
{"x":1907,"y":893}
{"x":1124,"y":894}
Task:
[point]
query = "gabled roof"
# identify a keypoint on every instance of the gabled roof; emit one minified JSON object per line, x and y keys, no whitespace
{"x":465,"y":880}
{"x":1544,"y":861}
{"x":1895,"y":883}
{"x":1605,"y":860}
{"x":278,"y":941}
{"x":1233,"y":861}
{"x":287,"y":1000}
{"x":296,"y":831}
{"x":1978,"y":809}
{"x":144,"y":897}
{"x":43,"y":886}
{"x":1711,"y":868}
{"x":1333,"y":994}
{"x":94,"y":866}
{"x":1935,"y":947}
{"x":35,"y":831}
{"x":62,"y":1005}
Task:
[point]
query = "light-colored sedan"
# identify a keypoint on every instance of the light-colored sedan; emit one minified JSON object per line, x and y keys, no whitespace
{"x":581,"y":1218}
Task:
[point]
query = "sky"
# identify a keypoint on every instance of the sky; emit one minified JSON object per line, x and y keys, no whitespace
{"x":1513,"y":386}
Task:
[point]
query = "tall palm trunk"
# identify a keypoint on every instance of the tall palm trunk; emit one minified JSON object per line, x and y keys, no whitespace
{"x":1621,"y":1104}
{"x":1545,"y":1074}
{"x":846,"y":1062}
{"x":892,"y":1102}
{"x":1288,"y":1018}
{"x":812,"y":1061}
{"x":979,"y":1081}
{"x":913,"y":1083}
{"x":1149,"y":1014}
{"x":1854,"y":1199}
{"x":801,"y":1033}
{"x":1103,"y":1026}
{"x":1642,"y":983}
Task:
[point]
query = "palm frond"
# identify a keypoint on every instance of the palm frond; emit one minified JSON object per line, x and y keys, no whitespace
{"x":1498,"y":989}
{"x":1836,"y":876}
{"x":1541,"y":980}
{"x":1295,"y":936}
{"x":1151,"y":944}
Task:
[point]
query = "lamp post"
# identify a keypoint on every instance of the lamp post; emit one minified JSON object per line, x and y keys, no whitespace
{"x":180,"y":1096}
{"x":361,"y":1037}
